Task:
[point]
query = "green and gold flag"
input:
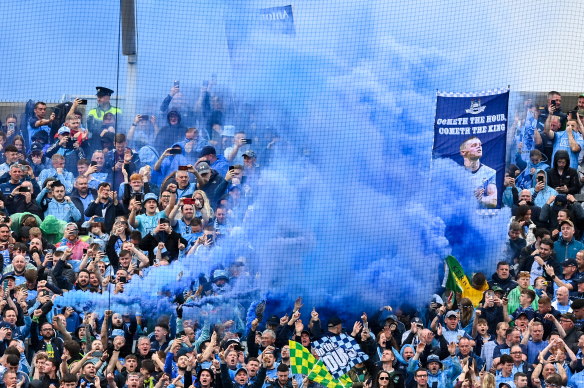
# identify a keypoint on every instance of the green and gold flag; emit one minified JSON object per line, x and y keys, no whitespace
{"x":460,"y":283}
{"x":302,"y":362}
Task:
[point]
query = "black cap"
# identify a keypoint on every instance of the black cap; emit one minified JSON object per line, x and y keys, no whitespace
{"x":40,"y":136}
{"x":9,"y":275}
{"x":36,"y":147}
{"x":274,"y":321}
{"x":334,"y":321}
{"x":103,"y":91}
{"x":208,"y":150}
{"x":570,"y":262}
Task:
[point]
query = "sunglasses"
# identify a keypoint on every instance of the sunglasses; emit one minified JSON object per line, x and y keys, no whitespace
{"x":384,"y":378}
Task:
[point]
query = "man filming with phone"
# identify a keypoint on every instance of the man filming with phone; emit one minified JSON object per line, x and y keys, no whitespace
{"x":66,"y":145}
{"x":234,"y":154}
{"x":552,"y":108}
{"x":38,"y":122}
{"x":21,"y":200}
{"x":106,"y":205}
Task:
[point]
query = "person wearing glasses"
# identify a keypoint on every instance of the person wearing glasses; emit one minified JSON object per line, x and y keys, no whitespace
{"x":421,"y":378}
{"x":385,"y":379}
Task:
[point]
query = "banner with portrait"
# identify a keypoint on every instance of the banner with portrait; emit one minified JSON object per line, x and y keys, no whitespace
{"x":471,"y":129}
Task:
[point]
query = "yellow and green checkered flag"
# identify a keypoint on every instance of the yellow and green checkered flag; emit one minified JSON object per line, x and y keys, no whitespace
{"x":321,"y":375}
{"x":302,"y":362}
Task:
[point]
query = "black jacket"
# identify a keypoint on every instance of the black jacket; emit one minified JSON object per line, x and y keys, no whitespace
{"x":568,"y":177}
{"x":170,"y":240}
{"x":505,"y":284}
{"x":112,"y":211}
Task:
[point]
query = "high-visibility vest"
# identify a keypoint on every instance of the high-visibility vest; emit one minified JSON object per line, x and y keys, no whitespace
{"x":98,"y":113}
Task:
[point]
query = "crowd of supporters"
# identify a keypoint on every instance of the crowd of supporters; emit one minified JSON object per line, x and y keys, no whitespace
{"x":88,"y":206}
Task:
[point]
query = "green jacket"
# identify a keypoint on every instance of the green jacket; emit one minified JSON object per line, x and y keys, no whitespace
{"x":513,"y":300}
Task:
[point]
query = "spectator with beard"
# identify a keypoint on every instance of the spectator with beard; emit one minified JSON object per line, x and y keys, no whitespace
{"x":525,"y":255}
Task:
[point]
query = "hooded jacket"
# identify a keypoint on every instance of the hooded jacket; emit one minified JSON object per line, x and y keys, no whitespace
{"x":170,"y":133}
{"x":540,"y":198}
{"x":525,"y":179}
{"x":569,"y":176}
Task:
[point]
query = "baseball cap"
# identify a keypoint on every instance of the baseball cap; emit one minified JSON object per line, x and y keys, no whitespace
{"x":241,"y":370}
{"x":36,"y":147}
{"x":150,"y":196}
{"x":9,"y":275}
{"x":433,"y":358}
{"x":451,"y":313}
{"x":63,"y":130}
{"x":203,"y":168}
{"x":274,"y":320}
{"x":567,"y":222}
{"x":417,"y":321}
{"x":249,"y":154}
{"x":570,"y":262}
{"x":334,"y":321}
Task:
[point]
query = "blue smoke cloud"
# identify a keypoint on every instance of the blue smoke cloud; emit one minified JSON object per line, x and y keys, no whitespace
{"x":352,"y":214}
